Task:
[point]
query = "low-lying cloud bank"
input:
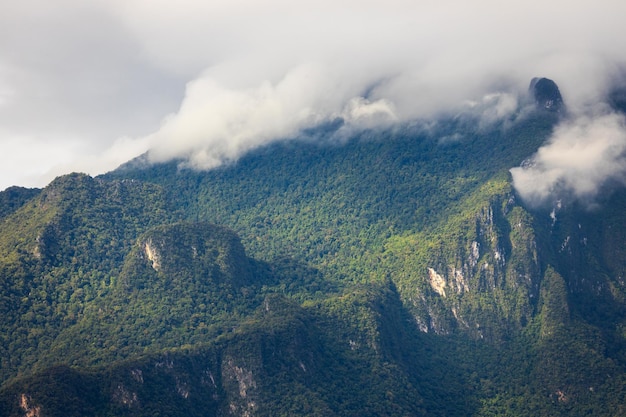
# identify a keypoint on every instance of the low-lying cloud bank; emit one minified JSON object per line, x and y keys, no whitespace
{"x":584,"y":154}
{"x":101,"y":82}
{"x":217,"y":124}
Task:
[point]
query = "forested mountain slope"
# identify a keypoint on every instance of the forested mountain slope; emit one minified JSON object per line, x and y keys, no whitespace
{"x":381,"y":272}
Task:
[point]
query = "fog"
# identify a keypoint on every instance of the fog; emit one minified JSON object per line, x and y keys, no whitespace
{"x":584,"y":154}
{"x":86,"y":86}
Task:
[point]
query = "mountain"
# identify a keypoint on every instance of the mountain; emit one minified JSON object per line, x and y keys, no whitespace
{"x":390,"y":271}
{"x":546,"y":94}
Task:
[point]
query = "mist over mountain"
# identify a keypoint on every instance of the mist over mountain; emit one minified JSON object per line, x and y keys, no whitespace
{"x":86,"y":87}
{"x":583,"y":158}
{"x":470,"y":263}
{"x":320,"y":208}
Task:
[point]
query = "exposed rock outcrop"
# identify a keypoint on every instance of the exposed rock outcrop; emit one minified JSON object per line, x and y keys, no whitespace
{"x":546,"y":94}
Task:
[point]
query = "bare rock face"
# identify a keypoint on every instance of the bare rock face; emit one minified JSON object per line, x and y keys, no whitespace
{"x":546,"y":94}
{"x":187,"y":254}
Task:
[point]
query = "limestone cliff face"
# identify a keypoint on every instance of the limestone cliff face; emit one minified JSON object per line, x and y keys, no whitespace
{"x":487,"y":278}
{"x":483,"y":280}
{"x":198,"y":251}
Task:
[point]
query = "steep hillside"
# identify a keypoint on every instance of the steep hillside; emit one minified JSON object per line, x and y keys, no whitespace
{"x":387,"y":272}
{"x":179,"y":285}
{"x":417,"y":204}
{"x":13,"y":198}
{"x":61,"y":251}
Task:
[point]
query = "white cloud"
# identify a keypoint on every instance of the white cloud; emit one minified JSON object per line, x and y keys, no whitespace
{"x":366,"y":113}
{"x":33,"y":159}
{"x":582,"y":155}
{"x":216,"y":124}
{"x":97,"y":71}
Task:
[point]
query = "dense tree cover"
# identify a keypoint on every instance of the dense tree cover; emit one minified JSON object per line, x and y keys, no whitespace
{"x":13,"y":198}
{"x":61,"y":251}
{"x":394,"y":273}
{"x":284,"y":359}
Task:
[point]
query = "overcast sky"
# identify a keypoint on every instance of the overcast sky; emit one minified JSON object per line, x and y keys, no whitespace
{"x":87,"y":85}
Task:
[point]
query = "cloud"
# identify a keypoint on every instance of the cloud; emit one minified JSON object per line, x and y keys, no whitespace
{"x":72,"y":83}
{"x":219,"y":78}
{"x":583,"y":155}
{"x":216,"y":124}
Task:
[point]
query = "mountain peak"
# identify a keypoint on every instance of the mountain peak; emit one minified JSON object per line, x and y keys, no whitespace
{"x":546,"y":94}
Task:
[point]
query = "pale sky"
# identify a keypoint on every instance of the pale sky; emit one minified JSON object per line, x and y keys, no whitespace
{"x":87,"y":85}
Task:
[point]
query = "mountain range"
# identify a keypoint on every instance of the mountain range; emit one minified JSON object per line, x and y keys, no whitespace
{"x":390,"y":271}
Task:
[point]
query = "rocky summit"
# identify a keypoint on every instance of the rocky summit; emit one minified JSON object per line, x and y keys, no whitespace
{"x":546,"y":94}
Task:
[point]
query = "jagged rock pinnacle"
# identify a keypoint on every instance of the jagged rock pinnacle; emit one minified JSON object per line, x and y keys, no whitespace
{"x":546,"y":94}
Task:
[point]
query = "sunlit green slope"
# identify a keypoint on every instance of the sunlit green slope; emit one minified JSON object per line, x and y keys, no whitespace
{"x":392,"y":272}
